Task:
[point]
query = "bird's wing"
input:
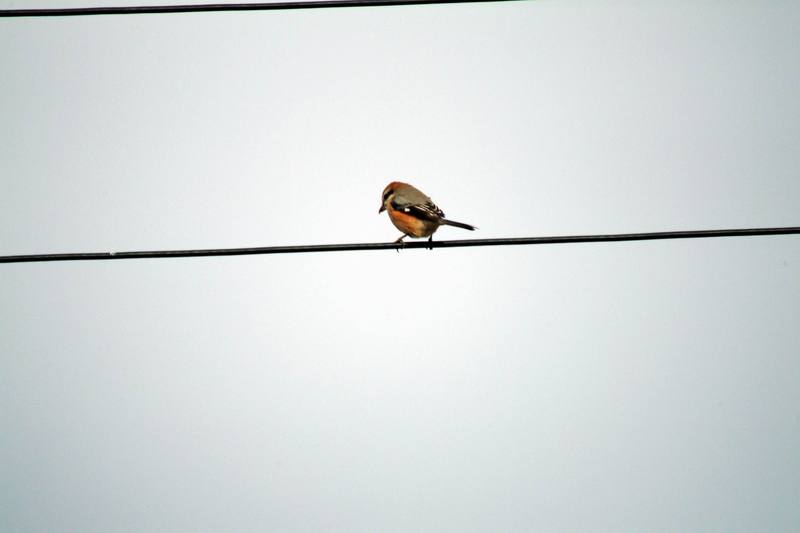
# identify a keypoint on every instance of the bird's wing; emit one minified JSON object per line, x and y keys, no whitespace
{"x":424,"y":211}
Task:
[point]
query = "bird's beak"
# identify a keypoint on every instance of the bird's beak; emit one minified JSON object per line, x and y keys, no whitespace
{"x":382,"y":209}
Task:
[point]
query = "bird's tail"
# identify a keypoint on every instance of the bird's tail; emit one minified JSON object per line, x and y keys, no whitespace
{"x":458,"y":224}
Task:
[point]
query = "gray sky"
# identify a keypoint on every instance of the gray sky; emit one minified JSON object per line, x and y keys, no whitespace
{"x":649,"y":386}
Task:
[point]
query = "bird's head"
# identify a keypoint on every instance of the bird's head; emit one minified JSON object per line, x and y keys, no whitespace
{"x":388,"y":193}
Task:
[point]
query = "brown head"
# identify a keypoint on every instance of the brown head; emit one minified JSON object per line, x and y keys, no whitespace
{"x":388,"y":193}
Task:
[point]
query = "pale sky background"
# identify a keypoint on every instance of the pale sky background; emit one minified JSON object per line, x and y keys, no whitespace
{"x":651,"y":386}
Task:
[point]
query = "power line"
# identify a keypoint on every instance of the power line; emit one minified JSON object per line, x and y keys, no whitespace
{"x":514,"y":241}
{"x":197,"y":8}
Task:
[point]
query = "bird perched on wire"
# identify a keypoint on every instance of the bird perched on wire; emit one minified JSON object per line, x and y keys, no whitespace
{"x":413,"y":213}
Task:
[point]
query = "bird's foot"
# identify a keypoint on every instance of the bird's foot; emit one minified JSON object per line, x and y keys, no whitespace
{"x":400,"y":243}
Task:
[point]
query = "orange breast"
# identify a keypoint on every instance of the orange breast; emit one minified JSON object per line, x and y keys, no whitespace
{"x":411,"y":226}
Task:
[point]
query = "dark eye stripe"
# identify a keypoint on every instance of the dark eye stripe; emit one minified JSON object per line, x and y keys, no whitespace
{"x":386,"y":194}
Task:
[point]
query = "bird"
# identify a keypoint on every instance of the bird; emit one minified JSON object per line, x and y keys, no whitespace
{"x":413,"y":213}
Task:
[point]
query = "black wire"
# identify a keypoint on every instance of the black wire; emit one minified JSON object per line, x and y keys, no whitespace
{"x":195,"y":8}
{"x":696,"y":234}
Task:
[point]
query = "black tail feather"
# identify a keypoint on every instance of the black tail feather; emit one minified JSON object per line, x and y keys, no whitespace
{"x":458,"y":224}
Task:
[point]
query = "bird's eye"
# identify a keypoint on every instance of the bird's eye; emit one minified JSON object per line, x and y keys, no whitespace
{"x":386,"y":194}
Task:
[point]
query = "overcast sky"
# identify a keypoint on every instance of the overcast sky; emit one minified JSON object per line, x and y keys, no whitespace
{"x":649,"y":386}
